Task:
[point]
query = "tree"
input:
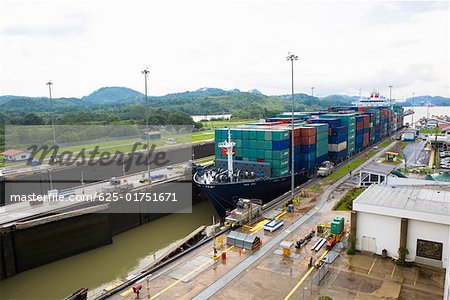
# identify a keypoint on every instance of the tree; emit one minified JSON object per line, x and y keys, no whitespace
{"x":32,"y":119}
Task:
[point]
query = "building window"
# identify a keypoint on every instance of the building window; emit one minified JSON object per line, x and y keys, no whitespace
{"x":23,"y":156}
{"x":429,"y":249}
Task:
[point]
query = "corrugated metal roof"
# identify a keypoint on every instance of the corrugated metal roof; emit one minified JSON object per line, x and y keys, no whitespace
{"x":382,"y":169}
{"x":419,"y":199}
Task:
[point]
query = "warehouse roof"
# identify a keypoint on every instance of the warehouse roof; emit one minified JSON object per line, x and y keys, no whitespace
{"x":412,"y":202}
{"x":375,"y":168}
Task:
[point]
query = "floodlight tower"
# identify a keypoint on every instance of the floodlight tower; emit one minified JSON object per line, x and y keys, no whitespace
{"x":292,"y":58}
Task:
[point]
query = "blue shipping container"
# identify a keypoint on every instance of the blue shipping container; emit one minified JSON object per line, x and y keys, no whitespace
{"x":280,"y":145}
{"x":337,"y":139}
{"x":332,"y":122}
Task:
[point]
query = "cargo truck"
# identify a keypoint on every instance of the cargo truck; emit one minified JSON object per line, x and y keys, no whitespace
{"x":325,"y":169}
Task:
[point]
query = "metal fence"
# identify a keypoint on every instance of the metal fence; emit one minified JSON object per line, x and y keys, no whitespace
{"x":310,"y":288}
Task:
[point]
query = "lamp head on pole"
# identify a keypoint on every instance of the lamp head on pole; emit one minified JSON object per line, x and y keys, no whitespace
{"x":146,"y":72}
{"x":49,"y":83}
{"x":291,"y":57}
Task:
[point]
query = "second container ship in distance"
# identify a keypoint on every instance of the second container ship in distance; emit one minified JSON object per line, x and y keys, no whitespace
{"x":254,"y":160}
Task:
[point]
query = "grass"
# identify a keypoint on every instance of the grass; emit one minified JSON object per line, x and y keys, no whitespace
{"x":126,"y":145}
{"x":422,"y":171}
{"x":204,"y":161}
{"x":346,"y":202}
{"x":225,"y":123}
{"x":317,"y":187}
{"x":385,"y":144}
{"x":399,"y":150}
{"x":345,"y":169}
{"x":430,"y":130}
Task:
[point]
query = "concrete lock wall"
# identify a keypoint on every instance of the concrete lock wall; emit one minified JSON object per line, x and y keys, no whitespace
{"x":430,"y":232}
{"x":48,"y":242}
{"x":385,"y":230}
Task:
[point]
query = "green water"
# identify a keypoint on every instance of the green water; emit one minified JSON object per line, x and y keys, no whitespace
{"x":96,"y":267}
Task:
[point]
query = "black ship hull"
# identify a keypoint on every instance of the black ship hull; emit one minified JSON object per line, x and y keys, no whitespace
{"x":223,"y":196}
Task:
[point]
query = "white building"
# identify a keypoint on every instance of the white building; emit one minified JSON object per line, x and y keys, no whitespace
{"x":15,"y":155}
{"x":417,"y":216}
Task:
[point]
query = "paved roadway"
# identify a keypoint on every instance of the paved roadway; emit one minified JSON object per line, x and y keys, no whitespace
{"x":415,"y":154}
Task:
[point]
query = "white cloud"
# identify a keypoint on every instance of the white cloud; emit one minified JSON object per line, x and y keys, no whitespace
{"x":343,"y":46}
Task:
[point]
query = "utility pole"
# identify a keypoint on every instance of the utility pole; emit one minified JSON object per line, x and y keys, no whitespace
{"x":292,"y":58}
{"x":412,"y":115}
{"x":146,"y":72}
{"x":390,"y":95}
{"x":49,"y":83}
{"x":312,"y":91}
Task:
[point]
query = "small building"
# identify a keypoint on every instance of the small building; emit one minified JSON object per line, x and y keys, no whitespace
{"x":408,"y":136}
{"x":374,"y":173}
{"x":432,"y":123}
{"x":391,"y":156}
{"x":151,"y":135}
{"x":445,"y":129}
{"x":385,"y":218}
{"x":12,"y":155}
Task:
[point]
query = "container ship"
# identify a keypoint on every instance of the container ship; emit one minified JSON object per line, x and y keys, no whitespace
{"x":255,"y":160}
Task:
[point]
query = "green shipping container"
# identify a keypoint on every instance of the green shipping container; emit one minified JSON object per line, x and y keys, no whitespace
{"x":245,"y":134}
{"x":252,"y":153}
{"x":280,"y":135}
{"x":238,"y":143}
{"x":267,"y":145}
{"x":268,"y":135}
{"x":260,"y":145}
{"x":260,"y":135}
{"x":267,"y":155}
{"x":252,"y":144}
{"x":279,"y":172}
{"x":280,"y":154}
{"x":238,"y":151}
{"x":280,"y":163}
{"x":260,"y":153}
{"x":253,"y":135}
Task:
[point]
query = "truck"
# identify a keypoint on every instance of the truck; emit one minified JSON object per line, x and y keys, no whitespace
{"x":246,"y":210}
{"x":325,"y":169}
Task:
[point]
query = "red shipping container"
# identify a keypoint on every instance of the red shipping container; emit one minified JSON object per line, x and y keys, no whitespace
{"x":308,"y":140}
{"x":307,"y":131}
{"x":260,"y":159}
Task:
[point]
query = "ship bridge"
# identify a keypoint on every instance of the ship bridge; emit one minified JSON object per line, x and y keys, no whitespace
{"x":408,"y":112}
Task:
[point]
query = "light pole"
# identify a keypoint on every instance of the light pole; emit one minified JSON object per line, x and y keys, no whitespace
{"x":412,"y":115}
{"x":292,"y":58}
{"x":390,"y":95}
{"x":146,"y":72}
{"x":312,"y":91}
{"x":49,"y":83}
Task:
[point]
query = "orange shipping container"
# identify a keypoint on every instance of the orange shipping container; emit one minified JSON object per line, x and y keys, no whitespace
{"x":307,"y":131}
{"x":307,"y":140}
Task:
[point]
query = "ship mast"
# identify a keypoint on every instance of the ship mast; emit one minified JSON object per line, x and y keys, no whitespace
{"x":228,"y":145}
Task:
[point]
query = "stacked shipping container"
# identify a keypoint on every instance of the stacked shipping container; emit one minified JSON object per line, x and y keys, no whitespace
{"x":327,"y":136}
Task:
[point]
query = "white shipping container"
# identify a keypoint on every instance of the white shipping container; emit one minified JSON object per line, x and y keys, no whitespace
{"x":337,"y":147}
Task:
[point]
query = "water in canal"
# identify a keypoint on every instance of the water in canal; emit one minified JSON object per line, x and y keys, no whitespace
{"x":96,"y":267}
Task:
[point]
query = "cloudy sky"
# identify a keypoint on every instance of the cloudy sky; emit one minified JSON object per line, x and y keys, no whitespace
{"x":342,"y":46}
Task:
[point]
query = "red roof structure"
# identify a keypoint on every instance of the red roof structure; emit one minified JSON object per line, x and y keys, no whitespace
{"x":12,"y":152}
